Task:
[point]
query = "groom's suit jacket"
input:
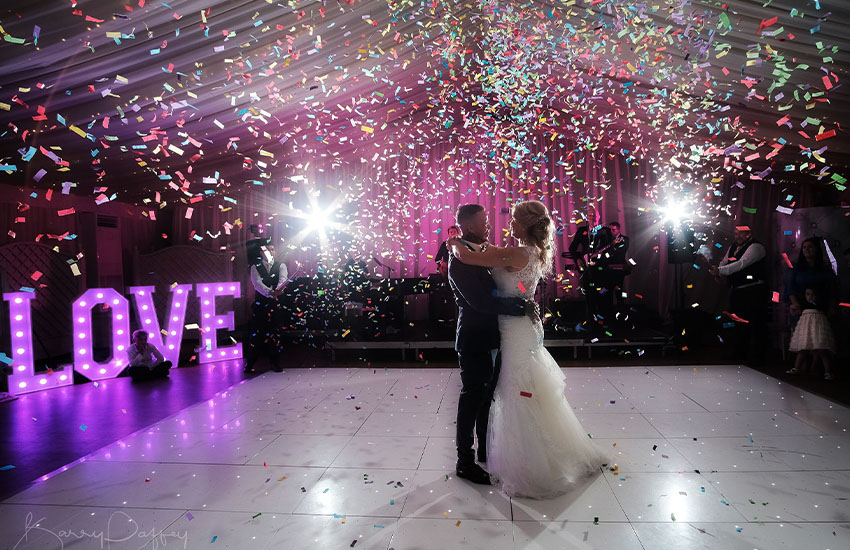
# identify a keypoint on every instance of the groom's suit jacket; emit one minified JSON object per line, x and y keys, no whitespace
{"x":479,"y":306}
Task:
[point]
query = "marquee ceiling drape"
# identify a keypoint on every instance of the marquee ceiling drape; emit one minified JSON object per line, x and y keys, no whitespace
{"x":398,"y":111}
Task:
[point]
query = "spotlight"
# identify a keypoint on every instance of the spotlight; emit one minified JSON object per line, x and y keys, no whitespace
{"x":675,"y":212}
{"x":318,"y":220}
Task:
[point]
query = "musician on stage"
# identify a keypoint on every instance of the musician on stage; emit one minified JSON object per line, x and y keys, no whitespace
{"x":268,"y":276}
{"x":442,"y":257}
{"x":619,"y":261}
{"x":597,"y":278}
{"x":580,"y":246}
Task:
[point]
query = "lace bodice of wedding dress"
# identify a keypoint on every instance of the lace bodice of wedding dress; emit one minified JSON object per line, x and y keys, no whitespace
{"x":523,"y":284}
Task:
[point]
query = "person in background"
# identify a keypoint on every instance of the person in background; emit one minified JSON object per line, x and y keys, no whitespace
{"x":442,"y":257}
{"x":812,"y":338}
{"x":598,"y":280}
{"x":620,"y":266}
{"x":580,"y":246}
{"x":146,"y":362}
{"x":813,"y":272}
{"x":810,"y":271}
{"x":844,"y":310}
{"x":745,"y":269}
{"x":253,"y":247}
{"x":268,"y":278}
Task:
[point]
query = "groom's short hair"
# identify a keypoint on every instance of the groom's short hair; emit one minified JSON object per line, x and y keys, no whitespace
{"x":466,"y":212}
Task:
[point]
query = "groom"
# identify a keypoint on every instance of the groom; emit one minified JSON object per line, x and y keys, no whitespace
{"x":477,"y":342}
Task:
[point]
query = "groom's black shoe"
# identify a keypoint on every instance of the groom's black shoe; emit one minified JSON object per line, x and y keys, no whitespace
{"x":473,"y":472}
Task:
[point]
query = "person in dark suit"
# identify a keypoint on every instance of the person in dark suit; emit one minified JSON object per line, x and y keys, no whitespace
{"x":442,"y":257}
{"x":268,"y":277}
{"x":254,"y":247}
{"x":580,"y":246}
{"x":619,"y":260}
{"x":477,"y":341}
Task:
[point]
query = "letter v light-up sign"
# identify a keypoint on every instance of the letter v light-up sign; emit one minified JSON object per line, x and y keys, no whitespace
{"x":84,"y":362}
{"x":23,"y":378}
{"x":175,"y":315}
{"x":211,"y":323}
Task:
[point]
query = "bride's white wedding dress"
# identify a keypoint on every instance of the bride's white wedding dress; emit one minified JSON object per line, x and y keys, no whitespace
{"x":535,"y":444}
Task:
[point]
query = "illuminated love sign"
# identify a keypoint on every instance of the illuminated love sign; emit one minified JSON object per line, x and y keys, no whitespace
{"x":24,"y":378}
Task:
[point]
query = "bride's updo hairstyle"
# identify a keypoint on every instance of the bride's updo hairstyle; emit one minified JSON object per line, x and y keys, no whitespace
{"x":539,"y":228}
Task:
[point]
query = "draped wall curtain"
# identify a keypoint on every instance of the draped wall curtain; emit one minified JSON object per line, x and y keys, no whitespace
{"x":403,"y":223}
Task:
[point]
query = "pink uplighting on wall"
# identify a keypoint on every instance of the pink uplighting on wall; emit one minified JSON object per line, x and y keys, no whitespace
{"x":84,"y":362}
{"x":210,"y":322}
{"x":175,"y":316}
{"x":23,"y":378}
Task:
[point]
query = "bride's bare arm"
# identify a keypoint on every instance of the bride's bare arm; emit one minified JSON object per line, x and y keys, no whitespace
{"x":492,"y":256}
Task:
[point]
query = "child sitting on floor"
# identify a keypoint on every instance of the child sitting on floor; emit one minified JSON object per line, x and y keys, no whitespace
{"x":146,"y":362}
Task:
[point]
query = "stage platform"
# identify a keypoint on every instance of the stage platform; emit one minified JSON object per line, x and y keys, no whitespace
{"x":574,"y":343}
{"x":712,"y":457}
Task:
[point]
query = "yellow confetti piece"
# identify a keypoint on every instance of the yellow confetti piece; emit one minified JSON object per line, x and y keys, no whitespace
{"x":77,"y":130}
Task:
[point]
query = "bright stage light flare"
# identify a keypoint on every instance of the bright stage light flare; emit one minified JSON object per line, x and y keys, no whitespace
{"x":675,"y":212}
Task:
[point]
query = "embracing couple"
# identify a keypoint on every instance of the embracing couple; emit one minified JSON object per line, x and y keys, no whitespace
{"x":513,"y":391}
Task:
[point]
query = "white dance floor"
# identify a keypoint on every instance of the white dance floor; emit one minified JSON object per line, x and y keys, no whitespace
{"x":709,"y":457}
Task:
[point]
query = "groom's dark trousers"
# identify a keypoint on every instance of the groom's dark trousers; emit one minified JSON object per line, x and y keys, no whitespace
{"x":477,"y":345}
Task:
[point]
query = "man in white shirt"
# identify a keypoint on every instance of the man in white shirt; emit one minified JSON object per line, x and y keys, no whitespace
{"x":146,"y":362}
{"x":745,"y":268}
{"x":268,"y":278}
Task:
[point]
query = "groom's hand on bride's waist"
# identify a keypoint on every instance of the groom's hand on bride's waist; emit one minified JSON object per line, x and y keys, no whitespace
{"x":532,"y":311}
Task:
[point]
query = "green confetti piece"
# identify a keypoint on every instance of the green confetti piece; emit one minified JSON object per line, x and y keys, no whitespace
{"x":750,"y":210}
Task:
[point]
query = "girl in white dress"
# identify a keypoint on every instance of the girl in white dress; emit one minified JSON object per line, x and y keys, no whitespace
{"x":536,"y":446}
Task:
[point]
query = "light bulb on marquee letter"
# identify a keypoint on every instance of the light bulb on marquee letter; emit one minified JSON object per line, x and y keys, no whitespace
{"x":211,"y":323}
{"x":84,"y":362}
{"x":23,"y":378}
{"x":175,"y":314}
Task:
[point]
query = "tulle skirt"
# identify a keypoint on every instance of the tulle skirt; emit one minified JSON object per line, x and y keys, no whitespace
{"x":812,"y":332}
{"x":536,"y":446}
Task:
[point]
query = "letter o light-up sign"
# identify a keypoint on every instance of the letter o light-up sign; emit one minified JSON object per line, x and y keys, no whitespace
{"x":84,"y":362}
{"x":211,"y":323}
{"x":23,"y":378}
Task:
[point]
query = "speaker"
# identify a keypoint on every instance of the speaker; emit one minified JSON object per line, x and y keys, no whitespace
{"x":681,"y":245}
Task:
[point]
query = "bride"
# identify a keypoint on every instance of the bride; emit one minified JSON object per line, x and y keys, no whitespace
{"x":537,"y":447}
